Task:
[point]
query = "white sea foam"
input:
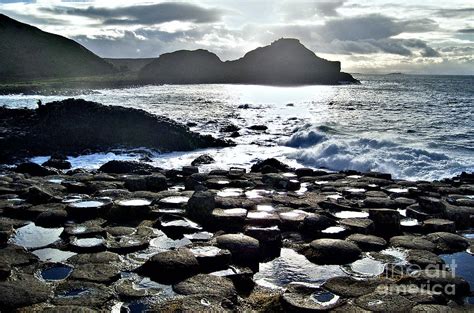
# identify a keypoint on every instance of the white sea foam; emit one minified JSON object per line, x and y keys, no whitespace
{"x":341,"y":152}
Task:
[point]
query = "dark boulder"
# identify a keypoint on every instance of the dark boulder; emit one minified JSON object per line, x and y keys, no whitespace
{"x":203,"y":159}
{"x":125,"y":167}
{"x":59,"y":164}
{"x":273,"y":163}
{"x":34,"y":169}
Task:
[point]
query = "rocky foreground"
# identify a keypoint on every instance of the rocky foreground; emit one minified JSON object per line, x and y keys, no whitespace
{"x":136,"y":237}
{"x":76,"y":126}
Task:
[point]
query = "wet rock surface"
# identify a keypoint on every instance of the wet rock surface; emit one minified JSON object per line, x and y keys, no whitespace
{"x":134,"y":237}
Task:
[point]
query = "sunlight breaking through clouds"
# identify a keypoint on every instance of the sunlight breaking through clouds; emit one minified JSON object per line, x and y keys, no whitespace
{"x":368,"y":36}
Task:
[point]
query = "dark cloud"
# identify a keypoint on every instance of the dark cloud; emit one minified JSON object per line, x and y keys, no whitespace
{"x":466,"y":31}
{"x":145,"y":14}
{"x":328,"y":8}
{"x":303,"y":10}
{"x":374,"y":26}
{"x":456,"y":13}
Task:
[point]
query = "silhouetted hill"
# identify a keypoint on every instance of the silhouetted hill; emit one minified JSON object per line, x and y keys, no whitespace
{"x":129,"y":64}
{"x":284,"y":62}
{"x":26,"y":53}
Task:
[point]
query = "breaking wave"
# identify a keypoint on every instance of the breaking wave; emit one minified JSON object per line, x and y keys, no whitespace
{"x":317,"y":148}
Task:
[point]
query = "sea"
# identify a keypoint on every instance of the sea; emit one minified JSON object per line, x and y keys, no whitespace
{"x":412,"y":126}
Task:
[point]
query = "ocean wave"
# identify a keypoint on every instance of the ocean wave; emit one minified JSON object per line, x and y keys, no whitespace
{"x":320,"y":150}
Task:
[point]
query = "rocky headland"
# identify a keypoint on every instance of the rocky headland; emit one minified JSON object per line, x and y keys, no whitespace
{"x":136,"y":237}
{"x":76,"y":126}
{"x":284,"y":62}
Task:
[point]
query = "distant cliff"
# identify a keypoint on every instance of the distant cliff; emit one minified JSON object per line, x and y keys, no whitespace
{"x":284,"y":62}
{"x":27,"y":53}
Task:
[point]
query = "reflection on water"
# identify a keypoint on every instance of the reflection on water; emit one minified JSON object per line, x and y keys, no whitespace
{"x":293,"y":267}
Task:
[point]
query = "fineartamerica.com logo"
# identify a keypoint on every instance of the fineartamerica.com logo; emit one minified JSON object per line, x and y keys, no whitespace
{"x":413,"y":279}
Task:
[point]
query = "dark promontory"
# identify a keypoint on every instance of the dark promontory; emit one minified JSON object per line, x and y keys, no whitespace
{"x":77,"y":126}
{"x":28,"y":53}
{"x":284,"y":62}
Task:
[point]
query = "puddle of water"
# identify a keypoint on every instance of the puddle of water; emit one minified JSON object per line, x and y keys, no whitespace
{"x":409,"y":222}
{"x":351,"y":214}
{"x":259,"y":215}
{"x":201,"y":236}
{"x":365,"y":267}
{"x":53,"y":255}
{"x":334,"y":197}
{"x":461,"y":264}
{"x":293,"y":267}
{"x":397,"y":190}
{"x":333,"y":230}
{"x":208,"y":251}
{"x":354,"y":176}
{"x":356,"y":190}
{"x":88,"y":242}
{"x":32,"y":236}
{"x":324,"y":298}
{"x":88,"y":204}
{"x":56,"y":272}
{"x":257,"y":193}
{"x":175,"y":200}
{"x":134,"y":202}
{"x":265,"y":208}
{"x":230,"y":192}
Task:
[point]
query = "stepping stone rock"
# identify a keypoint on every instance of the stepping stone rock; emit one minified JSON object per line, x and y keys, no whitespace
{"x":54,"y":218}
{"x":359,"y":225}
{"x":21,"y":293}
{"x":332,"y":251}
{"x":431,"y":205}
{"x":245,"y":250}
{"x":313,"y":224}
{"x":439,"y":225}
{"x":368,"y":242}
{"x":438,"y":280}
{"x":424,"y":258}
{"x":412,"y":242}
{"x":205,"y":284}
{"x":211,"y":258}
{"x":448,"y":242}
{"x":349,"y":287}
{"x":383,"y":302}
{"x":386,"y":221}
{"x":229,"y":219}
{"x":97,"y":273}
{"x":170,"y":266}
{"x":13,"y":255}
{"x":201,"y":205}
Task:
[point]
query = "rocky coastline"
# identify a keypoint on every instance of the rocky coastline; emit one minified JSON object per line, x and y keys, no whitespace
{"x":134,"y":237}
{"x":76,"y":126}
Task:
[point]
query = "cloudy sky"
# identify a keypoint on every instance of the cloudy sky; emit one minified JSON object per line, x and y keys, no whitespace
{"x":413,"y":36}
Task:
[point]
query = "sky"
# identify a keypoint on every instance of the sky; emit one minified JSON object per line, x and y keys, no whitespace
{"x":417,"y":36}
